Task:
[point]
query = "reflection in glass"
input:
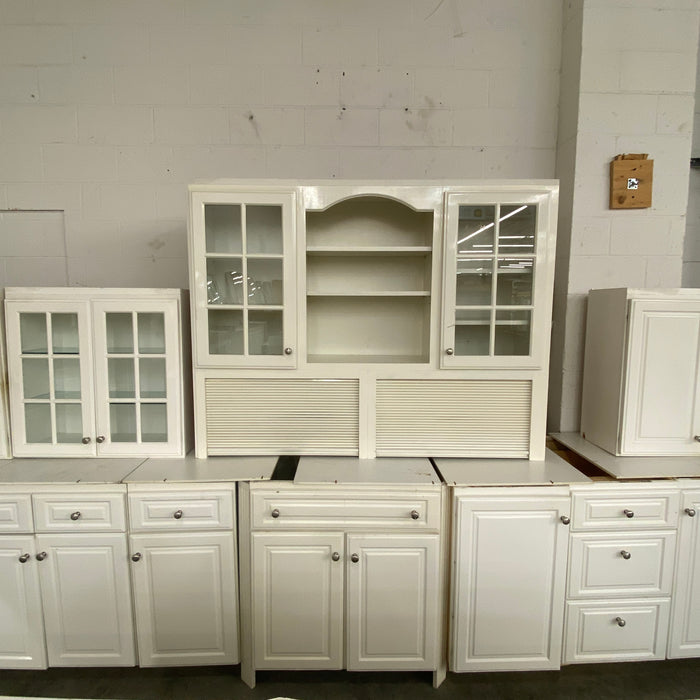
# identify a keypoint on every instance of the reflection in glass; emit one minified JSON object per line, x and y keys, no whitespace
{"x":472,"y":332}
{"x":66,"y":378}
{"x":64,"y":333}
{"x":264,"y":229}
{"x":514,"y":281}
{"x":35,"y":378}
{"x":226,"y":332}
{"x":69,"y":423}
{"x":264,"y":332}
{"x":474,"y":280}
{"x":222,"y":225}
{"x":517,"y":228}
{"x":120,"y":378}
{"x":475,"y":229}
{"x":122,"y":422}
{"x":225,"y":281}
{"x":151,"y":332}
{"x":32,"y":332}
{"x":37,"y":421}
{"x":512,"y":333}
{"x":154,"y":422}
{"x":120,"y":332}
{"x":152,"y":378}
{"x":265,"y":281}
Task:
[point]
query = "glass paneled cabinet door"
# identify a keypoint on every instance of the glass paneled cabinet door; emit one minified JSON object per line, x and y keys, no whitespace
{"x":243,"y":279}
{"x":499,"y":253}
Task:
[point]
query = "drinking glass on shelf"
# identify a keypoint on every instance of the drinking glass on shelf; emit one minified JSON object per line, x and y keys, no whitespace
{"x":213,"y":293}
{"x":234,"y":282}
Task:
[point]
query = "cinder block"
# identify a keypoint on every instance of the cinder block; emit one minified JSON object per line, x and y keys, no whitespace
{"x":590,"y":236}
{"x":230,"y":84}
{"x":267,"y":125}
{"x":617,"y":114}
{"x":424,"y":46}
{"x":643,"y":234}
{"x":157,"y":238}
{"x":658,"y":71}
{"x":36,"y":272}
{"x":691,"y":274}
{"x":76,"y":84}
{"x":66,"y":197}
{"x":341,"y":46}
{"x":342,"y":127}
{"x":35,"y":45}
{"x":19,"y":84}
{"x":208,"y":162}
{"x":600,"y":272}
{"x":594,"y":153}
{"x":16,"y":12}
{"x":190,"y":44}
{"x":149,"y":85}
{"x":490,"y":48}
{"x":117,"y":201}
{"x":67,"y":11}
{"x":487,"y":127}
{"x":38,"y":124}
{"x":91,"y":237}
{"x":664,"y":272}
{"x":172,"y":202}
{"x":378,"y":86}
{"x":153,"y":164}
{"x":115,"y":125}
{"x":591,"y":196}
{"x":268,"y":45}
{"x":191,"y":125}
{"x":600,"y":68}
{"x":370,"y":13}
{"x":415,"y":127}
{"x":437,"y":88}
{"x":116,"y":44}
{"x":306,"y":162}
{"x":98,"y":271}
{"x":20,"y":162}
{"x":30,"y":233}
{"x":519,"y":162}
{"x":302,"y":86}
{"x":79,"y":163}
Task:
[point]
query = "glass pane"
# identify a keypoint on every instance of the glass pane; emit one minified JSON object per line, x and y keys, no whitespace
{"x":514,"y":281}
{"x":120,"y":377}
{"x":222,"y":225}
{"x":66,"y":378}
{"x":224,"y":281}
{"x":64,"y":334}
{"x":35,"y":378}
{"x":37,"y":420}
{"x":264,"y":229}
{"x":517,"y":228}
{"x":151,"y":330}
{"x":472,"y":332}
{"x":120,"y":332}
{"x":474,"y":279}
{"x":264,"y":332}
{"x":154,"y":422}
{"x":226,"y":332}
{"x":512,"y":333}
{"x":32,"y":331}
{"x":265,"y":282}
{"x":475,"y":229}
{"x":122,"y":422}
{"x":69,"y":423}
{"x":152,"y":378}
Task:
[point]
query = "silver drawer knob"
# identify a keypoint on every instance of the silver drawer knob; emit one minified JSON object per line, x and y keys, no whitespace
{"x":629,"y":513}
{"x":415,"y":514}
{"x":625,"y":554}
{"x":354,"y":558}
{"x":696,"y":438}
{"x":620,"y":621}
{"x":275,"y":513}
{"x":136,"y":557}
{"x":177,"y":514}
{"x":449,"y":351}
{"x":76,"y":515}
{"x":24,"y":558}
{"x":565,"y":519}
{"x":288,"y":351}
{"x":86,"y":441}
{"x":690,"y":512}
{"x":100,"y":439}
{"x":335,"y":556}
{"x":41,"y":556}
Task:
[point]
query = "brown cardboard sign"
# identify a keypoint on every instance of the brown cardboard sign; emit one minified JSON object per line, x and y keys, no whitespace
{"x":631,"y":176}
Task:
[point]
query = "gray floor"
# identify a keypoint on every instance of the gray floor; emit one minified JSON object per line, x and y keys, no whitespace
{"x":677,"y":680}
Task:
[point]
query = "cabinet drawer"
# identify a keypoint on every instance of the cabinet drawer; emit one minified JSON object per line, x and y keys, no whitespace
{"x":181,"y":510}
{"x":605,"y":565}
{"x":625,"y":510}
{"x":616,"y":631}
{"x":301,"y":510}
{"x":87,"y":512}
{"x":15,"y":513}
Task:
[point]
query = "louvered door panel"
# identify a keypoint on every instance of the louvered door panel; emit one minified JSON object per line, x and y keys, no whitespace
{"x":282,"y":416}
{"x":455,"y":418}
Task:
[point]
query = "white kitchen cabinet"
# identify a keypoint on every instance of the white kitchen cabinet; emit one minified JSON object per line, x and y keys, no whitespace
{"x":641,"y":372}
{"x":98,"y":372}
{"x":509,"y":551}
{"x":184,"y":572}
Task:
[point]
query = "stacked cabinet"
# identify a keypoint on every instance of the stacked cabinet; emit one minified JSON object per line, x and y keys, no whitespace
{"x":413,"y":317}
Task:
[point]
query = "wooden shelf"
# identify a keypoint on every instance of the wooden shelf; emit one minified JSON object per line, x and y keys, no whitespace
{"x":365,"y":293}
{"x":369,"y":250}
{"x":367,"y":359}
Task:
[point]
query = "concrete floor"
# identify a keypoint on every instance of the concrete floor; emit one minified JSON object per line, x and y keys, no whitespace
{"x":677,"y":680}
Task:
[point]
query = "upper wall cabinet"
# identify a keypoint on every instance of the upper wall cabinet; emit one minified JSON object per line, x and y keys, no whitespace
{"x":97,"y":372}
{"x":497,"y":284}
{"x":242,"y":263}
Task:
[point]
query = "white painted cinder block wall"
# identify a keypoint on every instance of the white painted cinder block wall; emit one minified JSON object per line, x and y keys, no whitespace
{"x":109,"y":108}
{"x":691,"y":252}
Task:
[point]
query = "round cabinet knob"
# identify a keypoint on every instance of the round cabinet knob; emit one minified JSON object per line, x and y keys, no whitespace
{"x":41,"y":556}
{"x":565,"y":519}
{"x":629,"y":513}
{"x":24,"y":558}
{"x":177,"y":514}
{"x":625,"y":554}
{"x":696,"y":438}
{"x":288,"y":351}
{"x":136,"y":557}
{"x":690,"y":512}
{"x":449,"y":351}
{"x":86,"y":441}
{"x":415,"y":514}
{"x":354,"y":558}
{"x":335,"y":556}
{"x":75,"y":516}
{"x":275,"y":513}
{"x":620,"y":621}
{"x":100,"y":439}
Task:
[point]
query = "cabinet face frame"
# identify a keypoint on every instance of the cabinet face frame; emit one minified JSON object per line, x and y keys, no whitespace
{"x":287,"y":200}
{"x":545,"y":201}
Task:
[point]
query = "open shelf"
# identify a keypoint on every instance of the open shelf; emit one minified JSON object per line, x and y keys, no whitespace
{"x":367,"y":359}
{"x":419,"y":251}
{"x":361,"y":293}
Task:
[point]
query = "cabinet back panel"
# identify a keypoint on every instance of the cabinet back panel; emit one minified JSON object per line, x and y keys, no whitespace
{"x":453,"y":418}
{"x":282,"y":416}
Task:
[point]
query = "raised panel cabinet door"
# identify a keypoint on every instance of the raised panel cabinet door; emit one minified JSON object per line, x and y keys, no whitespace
{"x":87,"y":599}
{"x":684,"y":637}
{"x":509,"y":583}
{"x":22,"y":625}
{"x":297,"y":582}
{"x":185,"y":598}
{"x":662,"y":403}
{"x":392,"y":602}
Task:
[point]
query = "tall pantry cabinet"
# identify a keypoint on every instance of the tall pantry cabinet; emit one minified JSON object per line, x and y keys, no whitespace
{"x":371,"y":318}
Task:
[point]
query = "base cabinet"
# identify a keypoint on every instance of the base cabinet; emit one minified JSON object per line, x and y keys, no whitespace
{"x":509,"y":572}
